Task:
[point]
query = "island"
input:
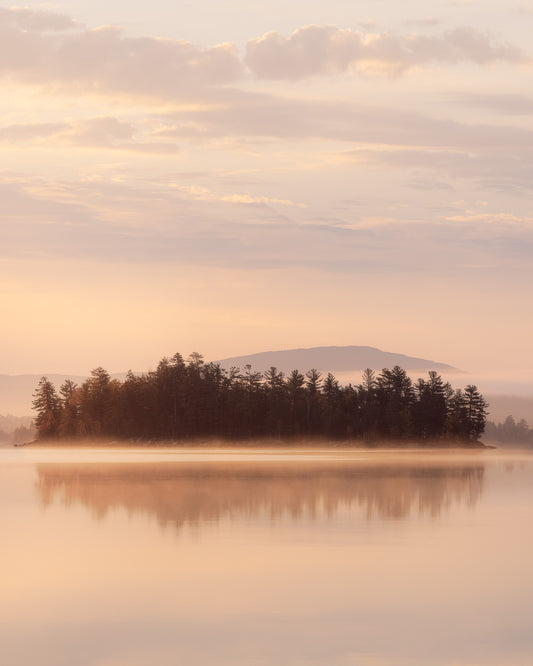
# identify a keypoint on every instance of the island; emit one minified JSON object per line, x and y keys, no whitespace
{"x":191,"y":400}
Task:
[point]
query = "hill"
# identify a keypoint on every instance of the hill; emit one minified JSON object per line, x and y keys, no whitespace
{"x":333,"y":359}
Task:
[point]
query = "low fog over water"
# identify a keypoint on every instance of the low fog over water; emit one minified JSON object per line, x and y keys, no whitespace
{"x":135,"y":557}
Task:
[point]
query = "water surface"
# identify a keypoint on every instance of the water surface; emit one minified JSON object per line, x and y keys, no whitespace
{"x":117,"y":557}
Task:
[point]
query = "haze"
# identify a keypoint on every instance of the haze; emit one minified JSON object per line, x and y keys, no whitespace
{"x":282,"y":176}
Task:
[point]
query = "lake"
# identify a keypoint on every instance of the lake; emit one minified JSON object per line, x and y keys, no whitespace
{"x":159,"y":557}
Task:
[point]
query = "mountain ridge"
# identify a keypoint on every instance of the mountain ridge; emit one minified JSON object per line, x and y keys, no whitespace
{"x":333,"y":359}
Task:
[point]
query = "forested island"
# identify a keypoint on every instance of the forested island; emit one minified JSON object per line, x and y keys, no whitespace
{"x":189,"y":400}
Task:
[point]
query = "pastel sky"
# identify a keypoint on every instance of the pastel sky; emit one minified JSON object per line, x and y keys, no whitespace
{"x":233,"y":177}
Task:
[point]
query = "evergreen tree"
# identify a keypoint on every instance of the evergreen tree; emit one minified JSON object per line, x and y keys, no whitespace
{"x":313,"y":400}
{"x":69,"y":401}
{"x":94,"y":403}
{"x":457,"y":415}
{"x":250,"y":403}
{"x":275,"y":390}
{"x":47,"y":405}
{"x":297,"y":402}
{"x":333,"y":408}
{"x":430,"y":409}
{"x":369,"y":410}
{"x":395,"y":397}
{"x":475,"y":413}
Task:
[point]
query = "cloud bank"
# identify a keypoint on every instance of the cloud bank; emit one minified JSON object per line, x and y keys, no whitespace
{"x":103,"y":60}
{"x":325,"y":50}
{"x":51,"y":51}
{"x":108,"y":222}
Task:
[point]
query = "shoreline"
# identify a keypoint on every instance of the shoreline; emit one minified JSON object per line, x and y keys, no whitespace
{"x":397,"y":445}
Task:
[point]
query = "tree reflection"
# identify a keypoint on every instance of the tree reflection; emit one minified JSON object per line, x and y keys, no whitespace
{"x":196,"y":493}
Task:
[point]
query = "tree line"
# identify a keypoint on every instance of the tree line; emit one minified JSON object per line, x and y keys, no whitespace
{"x":191,"y":399}
{"x":510,"y":432}
{"x":16,"y":429}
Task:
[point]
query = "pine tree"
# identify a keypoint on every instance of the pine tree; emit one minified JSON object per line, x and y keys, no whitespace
{"x":475,"y":412}
{"x":297,"y":405}
{"x":313,"y":401}
{"x":94,"y":403}
{"x":46,"y":403}
{"x":429,"y":410}
{"x":395,"y":396}
{"x":275,"y":389}
{"x":68,"y":421}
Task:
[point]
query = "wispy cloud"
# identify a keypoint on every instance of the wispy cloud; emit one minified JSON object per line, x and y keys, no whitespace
{"x":501,"y":220}
{"x":490,"y":167}
{"x":270,"y":116}
{"x":428,"y":22}
{"x":33,"y":20}
{"x":326,"y":50}
{"x":101,"y":132}
{"x":22,"y":132}
{"x":525,"y":8}
{"x":510,"y":104}
{"x":198,"y":193}
{"x":147,"y":222}
{"x":262,"y":116}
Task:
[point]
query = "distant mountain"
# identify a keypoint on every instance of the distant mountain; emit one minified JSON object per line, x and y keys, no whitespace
{"x":333,"y":359}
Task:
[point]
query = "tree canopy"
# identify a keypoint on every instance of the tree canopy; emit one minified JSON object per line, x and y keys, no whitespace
{"x":190,"y":399}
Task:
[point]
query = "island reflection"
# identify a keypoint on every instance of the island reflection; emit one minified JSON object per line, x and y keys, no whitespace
{"x":194,"y":493}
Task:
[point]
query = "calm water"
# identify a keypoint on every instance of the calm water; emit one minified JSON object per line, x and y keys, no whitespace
{"x":158,"y":558}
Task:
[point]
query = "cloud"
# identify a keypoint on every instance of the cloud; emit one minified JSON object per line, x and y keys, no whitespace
{"x":53,"y":53}
{"x":425,"y":22}
{"x":490,"y":168}
{"x":109,"y":132}
{"x":494,"y":157}
{"x":324,"y":50}
{"x":101,"y":132}
{"x":525,"y":9}
{"x":21,"y":132}
{"x":501,"y":103}
{"x":269,"y":116}
{"x":35,"y":20}
{"x":198,"y":193}
{"x":103,"y":60}
{"x":500,"y":220}
{"x":145,"y":223}
{"x":429,"y":185}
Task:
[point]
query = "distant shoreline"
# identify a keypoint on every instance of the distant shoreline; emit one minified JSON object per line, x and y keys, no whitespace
{"x":260,"y":444}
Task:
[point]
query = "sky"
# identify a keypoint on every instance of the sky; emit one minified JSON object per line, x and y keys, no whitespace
{"x":232,"y":177}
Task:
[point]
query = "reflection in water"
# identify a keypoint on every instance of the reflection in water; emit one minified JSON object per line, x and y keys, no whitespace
{"x":317,"y":558}
{"x":192,"y":494}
